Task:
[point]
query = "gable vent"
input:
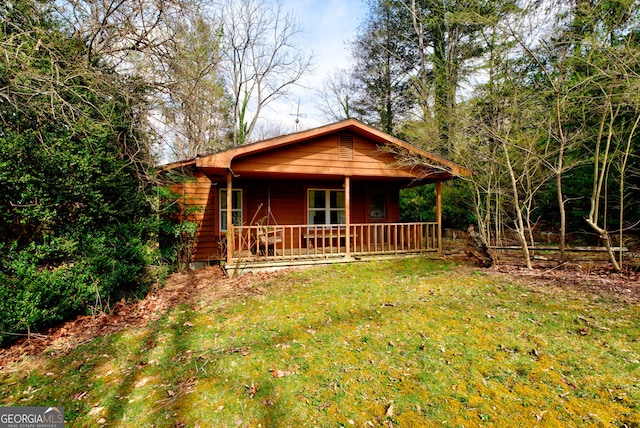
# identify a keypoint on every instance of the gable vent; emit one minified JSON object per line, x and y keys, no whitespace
{"x":346,"y":147}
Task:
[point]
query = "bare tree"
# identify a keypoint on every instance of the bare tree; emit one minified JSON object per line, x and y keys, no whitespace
{"x":262,"y":61}
{"x":484,"y":158}
{"x":335,"y":95}
{"x":123,"y":31}
{"x":554,"y":73}
{"x":520,"y":162}
{"x":623,"y":166}
{"x":613,"y":144}
{"x":601,"y":160}
{"x":626,"y":60}
{"x":193,"y":104}
{"x":138,"y":38}
{"x":516,"y":198}
{"x":603,"y":45}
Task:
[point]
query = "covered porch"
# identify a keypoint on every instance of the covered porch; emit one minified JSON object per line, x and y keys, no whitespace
{"x":265,"y":244}
{"x":257,"y":248}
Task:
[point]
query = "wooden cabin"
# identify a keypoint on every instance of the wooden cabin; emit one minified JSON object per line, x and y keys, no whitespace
{"x":325,"y":194}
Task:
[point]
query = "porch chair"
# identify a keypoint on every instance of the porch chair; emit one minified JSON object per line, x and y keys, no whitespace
{"x":269,"y":236}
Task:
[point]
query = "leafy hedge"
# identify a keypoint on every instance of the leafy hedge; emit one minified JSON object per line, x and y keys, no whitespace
{"x":90,"y":274}
{"x":75,"y":214}
{"x":419,"y":204}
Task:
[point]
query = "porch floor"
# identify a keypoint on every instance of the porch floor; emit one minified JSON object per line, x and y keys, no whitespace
{"x":320,"y":253}
{"x":274,"y":263}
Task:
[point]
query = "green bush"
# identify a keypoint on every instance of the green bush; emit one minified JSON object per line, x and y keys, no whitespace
{"x":419,"y":204}
{"x":175,"y":234}
{"x":74,"y":174}
{"x":457,"y":205}
{"x":44,"y":284}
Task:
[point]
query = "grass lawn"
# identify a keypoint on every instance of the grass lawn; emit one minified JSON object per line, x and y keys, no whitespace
{"x":412,"y":342}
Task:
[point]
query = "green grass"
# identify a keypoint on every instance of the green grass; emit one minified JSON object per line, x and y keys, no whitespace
{"x":410,"y":343}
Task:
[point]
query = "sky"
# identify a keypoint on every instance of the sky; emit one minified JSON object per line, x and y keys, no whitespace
{"x":328,"y":27}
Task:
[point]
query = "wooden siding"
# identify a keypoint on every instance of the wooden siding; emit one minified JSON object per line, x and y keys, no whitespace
{"x":321,"y":156}
{"x":361,"y":197}
{"x":198,"y":196}
{"x":286,"y":199}
{"x":368,"y":139}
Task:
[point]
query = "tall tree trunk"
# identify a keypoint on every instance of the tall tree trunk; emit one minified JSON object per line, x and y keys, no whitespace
{"x":599,"y":178}
{"x":440,"y":76}
{"x":516,"y":201}
{"x":558,"y":173}
{"x":623,"y":168}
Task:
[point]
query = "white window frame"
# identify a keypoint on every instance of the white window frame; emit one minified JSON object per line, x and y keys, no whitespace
{"x":238,"y":217}
{"x":327,"y":209}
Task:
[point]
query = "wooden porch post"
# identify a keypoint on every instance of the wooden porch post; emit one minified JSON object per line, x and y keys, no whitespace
{"x":347,"y":215}
{"x":439,"y":214}
{"x":230,"y":240}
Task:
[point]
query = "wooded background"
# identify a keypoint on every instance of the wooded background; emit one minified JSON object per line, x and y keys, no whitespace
{"x":540,"y":99}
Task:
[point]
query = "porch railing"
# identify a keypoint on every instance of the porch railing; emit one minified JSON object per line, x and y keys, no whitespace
{"x":291,"y":242}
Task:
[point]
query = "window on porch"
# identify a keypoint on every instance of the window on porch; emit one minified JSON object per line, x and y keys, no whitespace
{"x":378,"y":206}
{"x":326,"y":206}
{"x":236,"y":208}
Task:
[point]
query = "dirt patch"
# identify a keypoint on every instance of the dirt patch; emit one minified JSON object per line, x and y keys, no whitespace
{"x":599,"y":279}
{"x":586,"y":272}
{"x":210,"y":283}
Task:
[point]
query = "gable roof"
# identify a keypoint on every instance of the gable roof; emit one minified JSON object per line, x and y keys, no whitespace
{"x":222,"y":161}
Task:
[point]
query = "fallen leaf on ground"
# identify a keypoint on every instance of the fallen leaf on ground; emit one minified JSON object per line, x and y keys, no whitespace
{"x":277,"y":373}
{"x":570,"y":384}
{"x":389,"y":412}
{"x":253,"y":389}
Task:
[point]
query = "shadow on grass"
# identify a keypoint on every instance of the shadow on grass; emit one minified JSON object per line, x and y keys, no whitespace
{"x":345,"y":343}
